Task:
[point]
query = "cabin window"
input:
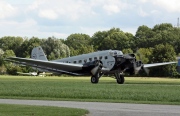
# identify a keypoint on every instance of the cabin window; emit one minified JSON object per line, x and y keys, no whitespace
{"x":95,"y":58}
{"x":100,"y":58}
{"x":74,"y":62}
{"x":85,"y":60}
{"x":90,"y":59}
{"x":106,"y":57}
{"x":115,"y":53}
{"x":80,"y":61}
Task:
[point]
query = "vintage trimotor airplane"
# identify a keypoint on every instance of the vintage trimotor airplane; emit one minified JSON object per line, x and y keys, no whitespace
{"x":95,"y":64}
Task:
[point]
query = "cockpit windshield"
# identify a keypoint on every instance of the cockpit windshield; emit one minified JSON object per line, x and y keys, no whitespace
{"x":115,"y":53}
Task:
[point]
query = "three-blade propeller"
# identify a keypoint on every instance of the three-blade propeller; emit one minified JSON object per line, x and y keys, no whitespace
{"x":97,"y":68}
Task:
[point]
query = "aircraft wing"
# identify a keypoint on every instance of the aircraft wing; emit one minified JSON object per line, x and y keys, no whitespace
{"x":157,"y":64}
{"x":51,"y":66}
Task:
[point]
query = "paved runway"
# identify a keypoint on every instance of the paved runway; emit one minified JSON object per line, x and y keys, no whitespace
{"x":106,"y":109}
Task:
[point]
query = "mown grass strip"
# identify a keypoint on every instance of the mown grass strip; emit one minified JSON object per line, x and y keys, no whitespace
{"x":25,"y":110}
{"x":135,"y":90}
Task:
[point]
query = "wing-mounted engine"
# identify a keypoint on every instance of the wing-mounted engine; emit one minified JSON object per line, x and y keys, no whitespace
{"x":138,"y":65}
{"x":93,"y":67}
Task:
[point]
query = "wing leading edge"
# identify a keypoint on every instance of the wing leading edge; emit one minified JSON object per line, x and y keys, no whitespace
{"x":157,"y":64}
{"x":56,"y":67}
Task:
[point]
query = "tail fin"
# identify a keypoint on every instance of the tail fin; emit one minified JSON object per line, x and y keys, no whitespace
{"x":37,"y":53}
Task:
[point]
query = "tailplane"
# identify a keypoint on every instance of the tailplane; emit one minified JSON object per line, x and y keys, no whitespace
{"x":37,"y":53}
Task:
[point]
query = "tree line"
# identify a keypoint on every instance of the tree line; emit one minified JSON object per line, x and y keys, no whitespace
{"x":151,"y":45}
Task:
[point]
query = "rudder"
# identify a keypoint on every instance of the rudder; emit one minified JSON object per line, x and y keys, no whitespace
{"x":37,"y":53}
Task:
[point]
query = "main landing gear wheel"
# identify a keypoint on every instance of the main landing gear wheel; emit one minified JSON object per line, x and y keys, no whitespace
{"x":119,"y":78}
{"x":94,"y":79}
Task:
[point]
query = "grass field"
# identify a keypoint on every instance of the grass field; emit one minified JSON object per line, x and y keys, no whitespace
{"x":24,"y":110}
{"x":135,"y":90}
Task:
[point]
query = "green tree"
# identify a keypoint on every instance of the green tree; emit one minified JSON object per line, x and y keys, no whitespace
{"x":27,"y":46}
{"x":144,"y":54}
{"x":108,"y":43}
{"x":122,"y":41}
{"x":2,"y":68}
{"x":54,"y":48}
{"x":163,"y":27}
{"x":160,"y":34}
{"x":79,"y":44}
{"x":112,"y":39}
{"x":1,"y":57}
{"x":177,"y":46}
{"x":165,"y":33}
{"x":127,"y":51}
{"x":132,"y":44}
{"x":11,"y":43}
{"x":8,"y":53}
{"x":144,"y":37}
{"x":11,"y":67}
{"x":98,"y":38}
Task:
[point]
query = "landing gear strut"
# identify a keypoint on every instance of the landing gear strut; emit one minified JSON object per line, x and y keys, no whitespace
{"x":119,"y":78}
{"x":95,"y":78}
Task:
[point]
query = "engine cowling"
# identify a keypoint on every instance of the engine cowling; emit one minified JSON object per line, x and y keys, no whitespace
{"x":128,"y":64}
{"x":138,"y":65}
{"x":93,"y":67}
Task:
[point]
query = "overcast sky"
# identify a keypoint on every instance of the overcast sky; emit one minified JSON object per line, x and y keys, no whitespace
{"x":60,"y":18}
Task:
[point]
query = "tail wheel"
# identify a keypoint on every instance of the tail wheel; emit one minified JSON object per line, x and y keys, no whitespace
{"x":120,"y":79}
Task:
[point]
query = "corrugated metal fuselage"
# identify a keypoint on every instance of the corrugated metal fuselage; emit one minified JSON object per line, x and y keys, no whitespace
{"x":107,"y":58}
